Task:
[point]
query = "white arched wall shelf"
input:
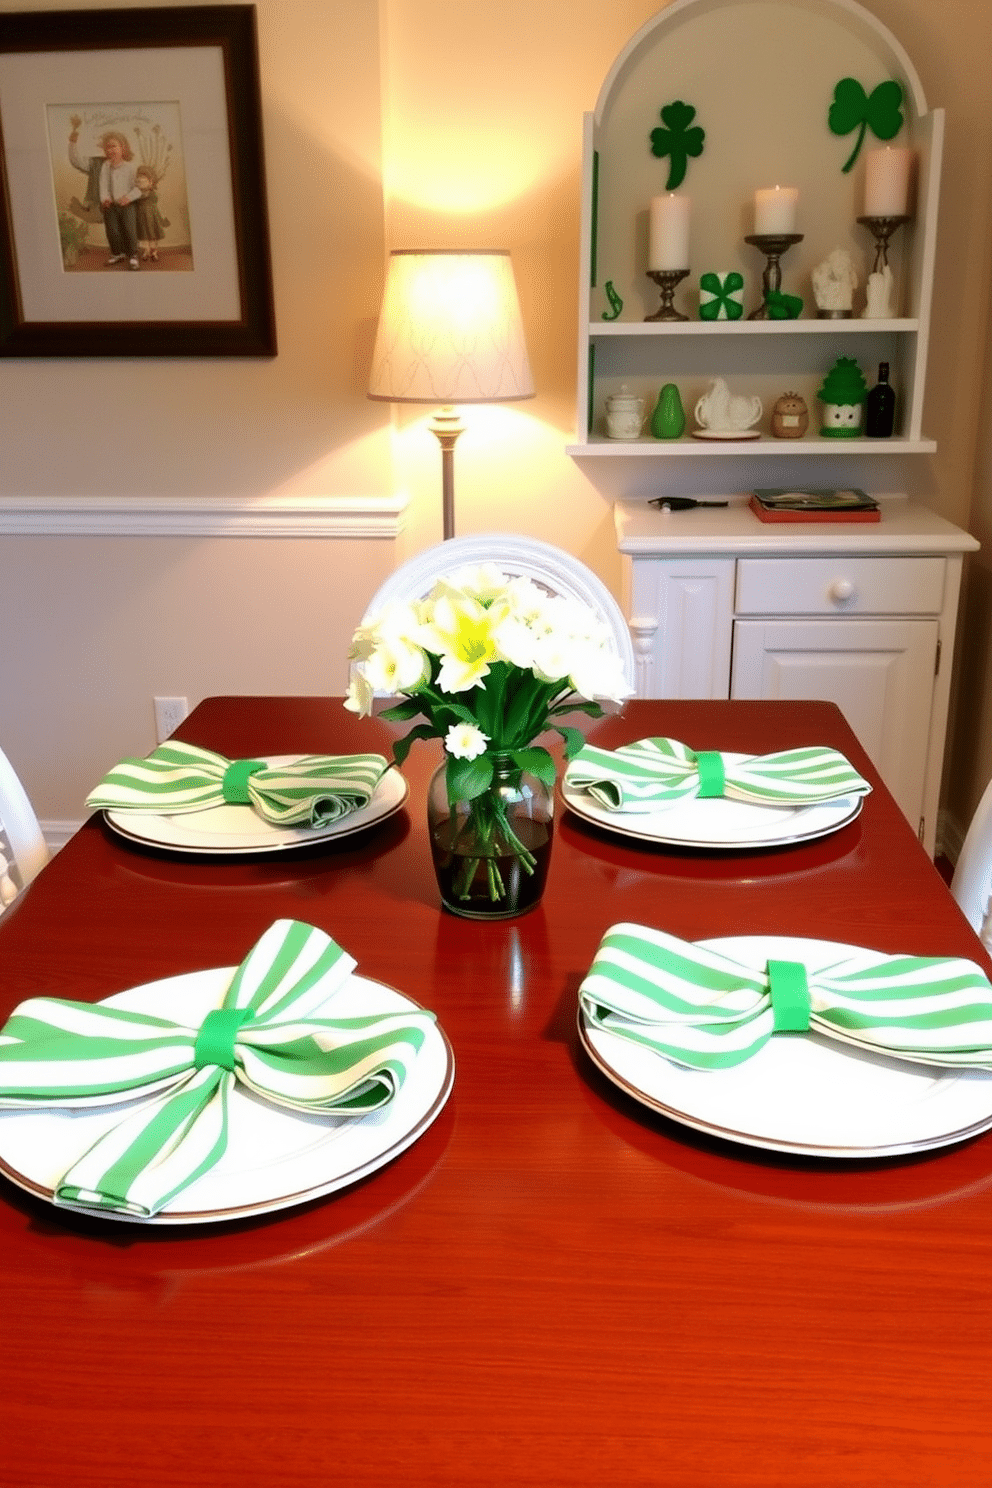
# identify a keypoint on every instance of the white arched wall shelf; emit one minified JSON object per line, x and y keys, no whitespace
{"x":761,"y":75}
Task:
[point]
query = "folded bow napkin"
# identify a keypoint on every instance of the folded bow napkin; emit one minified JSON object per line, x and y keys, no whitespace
{"x":177,"y":777}
{"x":271,"y":1033}
{"x":653,"y":773}
{"x":708,"y":1011}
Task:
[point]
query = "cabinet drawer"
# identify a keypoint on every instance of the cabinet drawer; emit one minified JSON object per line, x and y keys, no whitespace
{"x":840,"y":586}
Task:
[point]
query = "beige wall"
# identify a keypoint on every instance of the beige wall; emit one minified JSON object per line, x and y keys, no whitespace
{"x":402,"y":123}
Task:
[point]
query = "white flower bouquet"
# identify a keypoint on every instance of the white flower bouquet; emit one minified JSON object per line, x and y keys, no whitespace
{"x":489,"y":662}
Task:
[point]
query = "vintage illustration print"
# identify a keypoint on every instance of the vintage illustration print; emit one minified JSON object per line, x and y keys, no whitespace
{"x":119,"y":180}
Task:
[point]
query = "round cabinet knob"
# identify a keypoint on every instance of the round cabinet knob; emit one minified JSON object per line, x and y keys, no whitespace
{"x":841,"y":590}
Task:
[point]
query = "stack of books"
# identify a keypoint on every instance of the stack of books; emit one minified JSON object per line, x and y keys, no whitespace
{"x":813,"y":504}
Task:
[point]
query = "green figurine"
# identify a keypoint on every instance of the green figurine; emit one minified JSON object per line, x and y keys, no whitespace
{"x":616,"y":303}
{"x":843,"y":396}
{"x":668,"y":419}
{"x":779,"y":306}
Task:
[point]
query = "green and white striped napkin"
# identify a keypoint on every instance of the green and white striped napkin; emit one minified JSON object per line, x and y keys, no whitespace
{"x":272,"y":1033}
{"x":708,"y":1011}
{"x":653,"y":773}
{"x":177,"y":778}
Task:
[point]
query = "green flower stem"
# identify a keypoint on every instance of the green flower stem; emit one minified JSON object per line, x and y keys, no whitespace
{"x":487,"y":828}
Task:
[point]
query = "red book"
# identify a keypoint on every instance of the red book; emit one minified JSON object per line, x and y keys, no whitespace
{"x":814,"y":506}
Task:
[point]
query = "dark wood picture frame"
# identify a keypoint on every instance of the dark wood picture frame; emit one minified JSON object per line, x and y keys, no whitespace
{"x":250,"y":331}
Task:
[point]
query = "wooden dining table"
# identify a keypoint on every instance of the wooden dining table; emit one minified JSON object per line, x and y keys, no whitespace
{"x":555,"y":1284}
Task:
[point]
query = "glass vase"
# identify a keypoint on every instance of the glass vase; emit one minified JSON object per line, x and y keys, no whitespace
{"x":491,"y":854}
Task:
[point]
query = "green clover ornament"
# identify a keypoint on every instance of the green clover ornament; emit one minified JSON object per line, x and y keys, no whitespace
{"x":677,"y":140}
{"x":853,"y":108}
{"x":779,"y":306}
{"x":719,"y":296}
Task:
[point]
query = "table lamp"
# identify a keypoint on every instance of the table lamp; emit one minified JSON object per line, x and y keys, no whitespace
{"x":450,"y":332}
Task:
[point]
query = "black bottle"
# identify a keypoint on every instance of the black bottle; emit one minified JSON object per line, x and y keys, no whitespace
{"x":880,"y":408}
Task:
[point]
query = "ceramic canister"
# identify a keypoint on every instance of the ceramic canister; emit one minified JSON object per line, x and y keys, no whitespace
{"x":624,"y":414}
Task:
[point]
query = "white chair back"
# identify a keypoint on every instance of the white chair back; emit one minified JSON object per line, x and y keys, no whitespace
{"x":518,"y":557}
{"x":23,"y":852}
{"x":971,"y":883}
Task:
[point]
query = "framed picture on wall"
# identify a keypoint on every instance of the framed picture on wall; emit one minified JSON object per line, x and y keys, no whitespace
{"x":133,"y":219}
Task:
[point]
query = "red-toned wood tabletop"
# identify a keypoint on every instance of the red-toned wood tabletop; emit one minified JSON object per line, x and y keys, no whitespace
{"x":554,"y":1285}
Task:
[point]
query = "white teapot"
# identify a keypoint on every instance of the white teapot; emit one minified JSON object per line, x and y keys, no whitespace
{"x":723,"y":412}
{"x":624,"y":414}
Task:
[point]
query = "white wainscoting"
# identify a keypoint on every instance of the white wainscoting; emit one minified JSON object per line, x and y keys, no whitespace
{"x":204,"y":516}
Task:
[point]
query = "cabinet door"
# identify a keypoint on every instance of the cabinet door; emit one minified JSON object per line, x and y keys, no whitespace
{"x":681,"y":612}
{"x":879,"y":672}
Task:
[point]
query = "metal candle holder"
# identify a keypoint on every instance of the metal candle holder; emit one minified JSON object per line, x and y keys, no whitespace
{"x":772,"y":245}
{"x":666,"y":280}
{"x":881,"y":229}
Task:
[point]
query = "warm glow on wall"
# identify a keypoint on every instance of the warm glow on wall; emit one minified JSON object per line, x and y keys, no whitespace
{"x":450,"y":332}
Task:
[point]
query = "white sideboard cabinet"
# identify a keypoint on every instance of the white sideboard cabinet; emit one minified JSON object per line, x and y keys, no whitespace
{"x":861,"y":614}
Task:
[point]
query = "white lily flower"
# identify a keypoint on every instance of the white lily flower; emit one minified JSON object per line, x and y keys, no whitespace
{"x":461,"y":635}
{"x":397,"y":665}
{"x":515,"y":642}
{"x":360,"y":694}
{"x":598,"y":675}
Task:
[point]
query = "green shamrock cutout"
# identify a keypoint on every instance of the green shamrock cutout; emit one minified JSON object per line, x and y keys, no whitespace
{"x":878,"y":111}
{"x":677,"y":141}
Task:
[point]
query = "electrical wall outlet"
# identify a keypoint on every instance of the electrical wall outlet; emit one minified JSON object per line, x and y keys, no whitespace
{"x":169,"y":714}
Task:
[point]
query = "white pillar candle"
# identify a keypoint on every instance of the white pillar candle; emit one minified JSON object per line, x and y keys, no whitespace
{"x":668,"y":238}
{"x":887,"y":182}
{"x":775,"y":210}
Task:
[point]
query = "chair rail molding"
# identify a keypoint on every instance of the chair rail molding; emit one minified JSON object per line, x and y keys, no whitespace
{"x":204,"y":516}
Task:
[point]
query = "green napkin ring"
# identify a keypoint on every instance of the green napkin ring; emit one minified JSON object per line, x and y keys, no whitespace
{"x":235,"y":781}
{"x":712,"y":776}
{"x":789,"y":990}
{"x":215,"y":1040}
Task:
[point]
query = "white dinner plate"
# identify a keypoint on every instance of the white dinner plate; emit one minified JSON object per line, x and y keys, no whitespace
{"x":239,"y":829}
{"x":803,"y":1093}
{"x":275,"y":1157}
{"x":726,"y":434}
{"x":717,"y":821}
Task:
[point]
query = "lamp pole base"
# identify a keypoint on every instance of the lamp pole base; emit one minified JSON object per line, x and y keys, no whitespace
{"x":447,"y":425}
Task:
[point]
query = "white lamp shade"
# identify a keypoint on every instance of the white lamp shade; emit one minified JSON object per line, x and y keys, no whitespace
{"x":450,"y":330}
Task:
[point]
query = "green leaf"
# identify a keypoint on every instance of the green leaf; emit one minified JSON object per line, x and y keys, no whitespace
{"x":537,"y":761}
{"x":402,"y":712}
{"x":849,"y":107}
{"x":402,"y":746}
{"x":578,"y":705}
{"x":574,"y":740}
{"x":884,"y":110}
{"x":467,"y":779}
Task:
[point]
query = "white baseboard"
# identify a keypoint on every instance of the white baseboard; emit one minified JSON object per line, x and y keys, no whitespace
{"x":57,"y":833}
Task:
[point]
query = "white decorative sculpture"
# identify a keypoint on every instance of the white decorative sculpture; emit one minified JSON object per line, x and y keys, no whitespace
{"x":722,"y":412}
{"x":834,"y":283}
{"x":879,"y":291}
